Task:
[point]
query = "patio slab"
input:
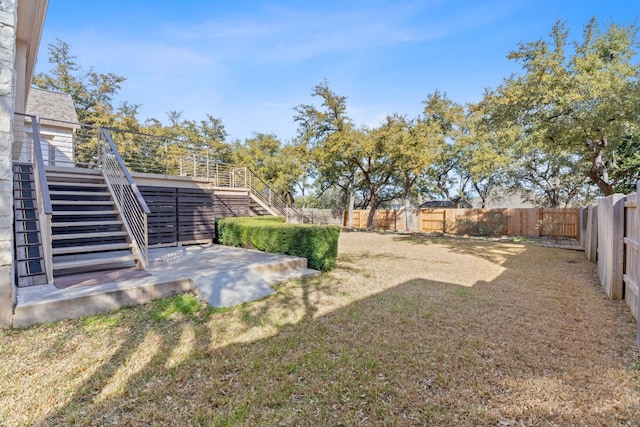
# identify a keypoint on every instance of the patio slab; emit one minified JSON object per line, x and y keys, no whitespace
{"x":223,"y":276}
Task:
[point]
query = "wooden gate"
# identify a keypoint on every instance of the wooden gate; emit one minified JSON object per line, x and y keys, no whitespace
{"x":433,"y":221}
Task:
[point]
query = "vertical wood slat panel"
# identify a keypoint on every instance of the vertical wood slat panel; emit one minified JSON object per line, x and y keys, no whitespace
{"x":183,"y":215}
{"x":162,"y":224}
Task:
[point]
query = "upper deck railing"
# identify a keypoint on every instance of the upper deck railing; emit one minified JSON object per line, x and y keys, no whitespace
{"x":78,"y":146}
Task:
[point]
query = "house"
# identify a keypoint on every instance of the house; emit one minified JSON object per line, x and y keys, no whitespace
{"x":503,"y":200}
{"x":437,"y":204}
{"x":56,"y":131}
{"x":21,"y":24}
{"x":93,"y":204}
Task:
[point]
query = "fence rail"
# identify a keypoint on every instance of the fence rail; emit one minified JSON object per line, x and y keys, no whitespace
{"x":487,"y":222}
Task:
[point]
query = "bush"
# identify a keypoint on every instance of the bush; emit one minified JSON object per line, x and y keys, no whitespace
{"x":317,"y":243}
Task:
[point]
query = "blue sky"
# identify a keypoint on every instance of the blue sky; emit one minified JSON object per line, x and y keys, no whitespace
{"x":251,"y":62}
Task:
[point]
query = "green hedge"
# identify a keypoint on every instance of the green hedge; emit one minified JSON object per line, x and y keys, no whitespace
{"x":317,"y":243}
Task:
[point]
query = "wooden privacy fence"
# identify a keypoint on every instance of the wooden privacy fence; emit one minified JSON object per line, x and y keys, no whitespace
{"x":385,"y":219}
{"x":612,"y":239}
{"x":483,"y":222}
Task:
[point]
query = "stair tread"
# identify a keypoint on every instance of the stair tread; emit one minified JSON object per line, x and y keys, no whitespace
{"x":85,"y":213}
{"x":91,"y":262}
{"x":77,"y":184}
{"x":81,"y":202}
{"x":88,"y":235}
{"x":72,"y":178}
{"x":85,"y":223}
{"x":89,"y":248}
{"x":78,"y":193}
{"x":71,"y":171}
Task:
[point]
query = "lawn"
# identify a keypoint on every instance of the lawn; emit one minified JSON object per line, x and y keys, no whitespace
{"x":405,"y":331}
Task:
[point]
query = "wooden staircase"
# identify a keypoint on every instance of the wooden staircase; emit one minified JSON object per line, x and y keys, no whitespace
{"x":87,"y":233}
{"x":258,"y":208}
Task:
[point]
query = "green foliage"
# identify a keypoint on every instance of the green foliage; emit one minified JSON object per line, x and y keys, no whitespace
{"x":326,"y":133}
{"x":571,"y":108}
{"x":282,"y":167}
{"x":317,"y":243}
{"x":92,"y":92}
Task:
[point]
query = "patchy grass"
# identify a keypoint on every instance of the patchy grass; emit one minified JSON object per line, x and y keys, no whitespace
{"x":406,"y":331}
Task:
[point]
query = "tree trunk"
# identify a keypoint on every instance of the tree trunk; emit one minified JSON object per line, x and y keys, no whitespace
{"x":372,"y":212}
{"x":598,"y":172}
{"x":408,"y":217}
{"x":352,"y":202}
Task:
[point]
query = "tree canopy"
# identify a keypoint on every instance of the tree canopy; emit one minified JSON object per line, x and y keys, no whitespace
{"x":562,"y":131}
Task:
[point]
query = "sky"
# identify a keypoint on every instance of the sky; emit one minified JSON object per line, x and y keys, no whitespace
{"x":250,"y":63}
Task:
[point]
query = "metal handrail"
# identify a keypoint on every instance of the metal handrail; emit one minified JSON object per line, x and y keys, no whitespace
{"x":272,"y":199}
{"x":130,"y":203}
{"x":234,"y":176}
{"x":148,"y":153}
{"x":39,"y":165}
{"x":126,"y":173}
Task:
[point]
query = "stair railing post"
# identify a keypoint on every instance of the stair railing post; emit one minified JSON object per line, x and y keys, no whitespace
{"x":166,"y":159}
{"x":208,"y":175}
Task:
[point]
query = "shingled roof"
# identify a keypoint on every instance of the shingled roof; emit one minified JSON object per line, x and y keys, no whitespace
{"x":51,"y":105}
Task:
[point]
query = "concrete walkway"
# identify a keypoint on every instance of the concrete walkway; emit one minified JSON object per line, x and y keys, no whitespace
{"x":221,"y":275}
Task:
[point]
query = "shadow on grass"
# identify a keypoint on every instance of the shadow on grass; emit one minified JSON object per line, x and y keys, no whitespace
{"x":493,"y":251}
{"x":421,"y":352}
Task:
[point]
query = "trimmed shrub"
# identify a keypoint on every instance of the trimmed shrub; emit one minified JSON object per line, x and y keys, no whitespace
{"x":317,"y":243}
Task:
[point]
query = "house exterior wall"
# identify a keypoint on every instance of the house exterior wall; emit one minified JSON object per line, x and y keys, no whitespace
{"x":8,"y":21}
{"x":56,"y":144}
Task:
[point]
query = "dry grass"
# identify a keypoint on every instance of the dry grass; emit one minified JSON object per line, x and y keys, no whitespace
{"x":406,"y":331}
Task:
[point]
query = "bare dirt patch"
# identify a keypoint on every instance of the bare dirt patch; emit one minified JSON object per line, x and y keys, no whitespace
{"x":407,"y":330}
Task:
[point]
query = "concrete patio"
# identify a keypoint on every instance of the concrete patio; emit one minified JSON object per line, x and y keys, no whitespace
{"x":221,"y":275}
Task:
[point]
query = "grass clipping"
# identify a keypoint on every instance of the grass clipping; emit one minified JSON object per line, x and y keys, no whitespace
{"x":405,"y":331}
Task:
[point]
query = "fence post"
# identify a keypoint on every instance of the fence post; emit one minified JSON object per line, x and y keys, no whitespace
{"x":591,"y":238}
{"x":444,"y":220}
{"x":611,"y":245}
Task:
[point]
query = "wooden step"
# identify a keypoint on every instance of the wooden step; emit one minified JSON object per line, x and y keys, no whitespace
{"x":90,"y":248}
{"x":82,"y":202}
{"x":93,"y":262}
{"x":85,"y":213}
{"x":72,"y":171}
{"x":60,"y":179}
{"x":77,"y":184}
{"x":85,"y":223}
{"x":70,"y":176}
{"x":79,"y":193}
{"x":88,"y":235}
